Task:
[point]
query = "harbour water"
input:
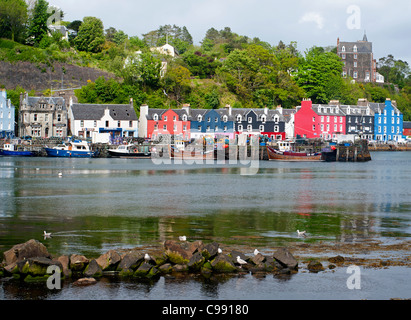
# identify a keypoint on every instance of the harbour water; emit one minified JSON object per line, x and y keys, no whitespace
{"x":100,"y":204}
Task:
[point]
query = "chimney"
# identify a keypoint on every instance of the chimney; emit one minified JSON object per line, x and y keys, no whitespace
{"x":228,"y":107}
{"x":131,"y":102}
{"x":334,"y":103}
{"x":265,"y":110}
{"x":279,"y":108}
{"x":187,"y":108}
{"x":362,"y":102}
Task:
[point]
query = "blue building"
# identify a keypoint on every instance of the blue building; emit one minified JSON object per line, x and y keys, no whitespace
{"x":6,"y":116}
{"x":212,"y":123}
{"x":388,"y":122}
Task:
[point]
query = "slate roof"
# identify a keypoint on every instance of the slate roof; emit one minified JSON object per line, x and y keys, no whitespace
{"x":33,"y":101}
{"x":96,"y":111}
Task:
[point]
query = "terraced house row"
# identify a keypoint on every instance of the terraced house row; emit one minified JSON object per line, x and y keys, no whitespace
{"x":372,"y":121}
{"x":50,"y":116}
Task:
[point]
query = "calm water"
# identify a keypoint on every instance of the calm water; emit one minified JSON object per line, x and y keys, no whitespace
{"x":102,"y":204}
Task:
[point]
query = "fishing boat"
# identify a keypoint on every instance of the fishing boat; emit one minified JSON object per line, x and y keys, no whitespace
{"x":274,"y":154}
{"x":71,"y":149}
{"x":13,"y":150}
{"x":130,"y":151}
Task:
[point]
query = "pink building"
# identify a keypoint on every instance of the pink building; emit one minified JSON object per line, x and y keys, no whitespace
{"x":319,"y":121}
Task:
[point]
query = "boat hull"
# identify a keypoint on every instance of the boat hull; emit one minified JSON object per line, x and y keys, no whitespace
{"x":142,"y":155}
{"x":17,"y":153}
{"x":290,"y":156}
{"x":68,"y":153}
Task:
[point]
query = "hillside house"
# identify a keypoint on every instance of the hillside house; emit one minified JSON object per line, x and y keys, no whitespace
{"x":6,"y":116}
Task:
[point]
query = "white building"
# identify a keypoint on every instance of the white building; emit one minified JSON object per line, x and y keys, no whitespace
{"x":109,"y":120}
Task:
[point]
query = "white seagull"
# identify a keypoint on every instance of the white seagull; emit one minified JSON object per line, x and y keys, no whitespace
{"x":241,"y":261}
{"x":301,"y":233}
{"x":46,"y":234}
{"x":60,"y":174}
{"x":219,"y":250}
{"x":256,"y":252}
{"x":182,"y":238}
{"x":147,"y":257}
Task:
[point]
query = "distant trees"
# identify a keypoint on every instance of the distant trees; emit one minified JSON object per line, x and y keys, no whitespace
{"x":176,"y":36}
{"x":394,"y":71}
{"x":90,"y":35}
{"x":38,"y":27}
{"x":13,"y":19}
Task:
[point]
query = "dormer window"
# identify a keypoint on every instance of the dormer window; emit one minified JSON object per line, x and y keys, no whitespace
{"x":155,"y":117}
{"x":276,"y":118}
{"x":355,"y":48}
{"x":184,"y":117}
{"x":199,"y":118}
{"x":225,"y":118}
{"x":239,"y":118}
{"x":263,"y":118}
{"x":343,"y":49}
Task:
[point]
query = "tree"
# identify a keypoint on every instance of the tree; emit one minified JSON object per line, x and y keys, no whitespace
{"x":90,"y":36}
{"x":394,"y":71}
{"x":177,"y":81}
{"x":38,"y":23}
{"x":142,"y":70}
{"x":315,"y":71}
{"x":13,"y":17}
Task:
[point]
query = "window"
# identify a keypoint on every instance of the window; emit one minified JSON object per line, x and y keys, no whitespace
{"x":276,"y":129}
{"x":165,"y":127}
{"x":155,"y":117}
{"x":239,"y":118}
{"x":343,"y":49}
{"x":263,"y":118}
{"x":276,"y":118}
{"x":208,"y":119}
{"x":355,"y":56}
{"x":313,"y":127}
{"x":328,"y":118}
{"x":130,"y":124}
{"x":249,"y":128}
{"x":216,"y":119}
{"x":208,"y":128}
{"x":343,"y":56}
{"x":355,"y":75}
{"x":261,"y":128}
{"x":328,"y":127}
{"x":322,"y":127}
{"x":175,"y":128}
{"x":313,"y":119}
{"x":335,"y":127}
{"x":216,"y":128}
{"x":82,"y":123}
{"x":322,"y":118}
{"x":35,"y":117}
{"x":392,"y":129}
{"x":174,"y":118}
{"x":119,"y":124}
{"x":355,"y":49}
{"x":184,"y":117}
{"x":250,"y":120}
{"x":335,"y":119}
{"x":95,"y":123}
{"x":225,"y":118}
{"x":165,"y":118}
{"x":155,"y":127}
{"x":240,"y":127}
{"x":199,"y":118}
{"x":225,"y":128}
{"x":199,"y":128}
{"x":355,"y":64}
{"x":341,"y":129}
{"x":107,"y":124}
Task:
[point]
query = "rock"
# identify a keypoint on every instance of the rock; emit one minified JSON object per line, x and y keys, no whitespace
{"x":37,"y":266}
{"x":315,"y":266}
{"x":65,"y":262}
{"x":93,"y":269}
{"x":130,"y":261}
{"x":78,"y":262}
{"x":85,"y":282}
{"x":258,"y":259}
{"x":222,"y":263}
{"x":210,"y":250}
{"x":196,"y":261}
{"x":177,"y":253}
{"x":29,"y":249}
{"x":195,"y":246}
{"x":337,"y":259}
{"x":109,"y":261}
{"x":180,"y":268}
{"x":165,"y":268}
{"x":285,"y":258}
{"x":142,"y":270}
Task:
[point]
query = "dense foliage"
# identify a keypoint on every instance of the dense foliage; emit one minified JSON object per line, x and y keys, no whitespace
{"x":226,"y":68}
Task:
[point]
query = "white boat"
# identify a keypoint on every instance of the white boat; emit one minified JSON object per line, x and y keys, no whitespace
{"x":131,"y":151}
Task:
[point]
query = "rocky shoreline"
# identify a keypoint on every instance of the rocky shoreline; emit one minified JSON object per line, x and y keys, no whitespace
{"x":28,"y":262}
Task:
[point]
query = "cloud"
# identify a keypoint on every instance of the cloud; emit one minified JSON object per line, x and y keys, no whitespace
{"x":313,"y":17}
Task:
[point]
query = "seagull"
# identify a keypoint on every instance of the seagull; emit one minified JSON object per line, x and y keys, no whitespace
{"x":182,"y":238}
{"x":256,"y":252}
{"x":46,"y":234}
{"x":301,"y":233}
{"x":147,"y":257}
{"x":241,"y":261}
{"x":60,"y":174}
{"x":219,"y":250}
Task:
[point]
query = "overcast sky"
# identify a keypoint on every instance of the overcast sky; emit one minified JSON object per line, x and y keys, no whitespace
{"x":316,"y":22}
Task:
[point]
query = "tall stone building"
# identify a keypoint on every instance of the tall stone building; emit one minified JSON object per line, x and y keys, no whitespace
{"x":43,"y":117}
{"x":359,"y":62}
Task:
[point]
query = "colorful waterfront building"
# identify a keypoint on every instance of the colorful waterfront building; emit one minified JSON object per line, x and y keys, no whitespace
{"x":6,"y":116}
{"x":319,"y":121}
{"x":388,"y":122}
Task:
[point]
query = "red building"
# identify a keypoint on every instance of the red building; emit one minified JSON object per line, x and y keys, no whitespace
{"x":319,"y":121}
{"x":173,"y":122}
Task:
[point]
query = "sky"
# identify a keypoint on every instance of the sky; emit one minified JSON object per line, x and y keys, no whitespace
{"x":315,"y":22}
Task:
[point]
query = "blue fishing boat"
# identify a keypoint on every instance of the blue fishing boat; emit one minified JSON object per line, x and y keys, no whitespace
{"x":13,"y":150}
{"x":71,"y":149}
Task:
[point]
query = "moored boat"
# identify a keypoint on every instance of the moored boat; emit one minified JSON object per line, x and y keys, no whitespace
{"x":13,"y":150}
{"x":192,"y":154}
{"x":274,"y":154}
{"x":71,"y":149}
{"x":130,"y":151}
